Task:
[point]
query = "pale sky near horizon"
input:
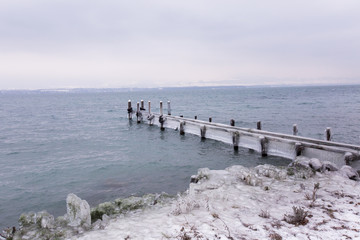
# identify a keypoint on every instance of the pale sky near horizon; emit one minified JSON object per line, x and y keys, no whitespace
{"x":116,"y":43}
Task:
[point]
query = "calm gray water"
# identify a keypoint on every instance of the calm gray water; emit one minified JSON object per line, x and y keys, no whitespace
{"x":55,"y":143}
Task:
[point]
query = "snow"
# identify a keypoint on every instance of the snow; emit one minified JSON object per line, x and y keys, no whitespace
{"x":247,"y":203}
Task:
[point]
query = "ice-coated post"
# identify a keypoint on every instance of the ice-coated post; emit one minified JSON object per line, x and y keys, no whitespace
{"x":129,"y":110}
{"x":195,"y":117}
{"x":295,"y":130}
{"x":161,"y":108}
{"x":203,"y":131}
{"x":235,"y":140}
{"x":149,"y":107}
{"x":210,"y":119}
{"x":263,"y":143}
{"x":142,"y":108}
{"x":298,"y":149}
{"x":258,"y":125}
{"x":138,"y":112}
{"x":169,"y":108}
{"x":328,"y":134}
{"x":232,"y":122}
{"x":182,"y":131}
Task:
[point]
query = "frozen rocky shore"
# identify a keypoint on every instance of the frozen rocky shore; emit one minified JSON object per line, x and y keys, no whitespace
{"x":307,"y":200}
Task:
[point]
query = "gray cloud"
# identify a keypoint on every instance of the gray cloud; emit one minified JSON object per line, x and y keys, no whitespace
{"x":169,"y":43}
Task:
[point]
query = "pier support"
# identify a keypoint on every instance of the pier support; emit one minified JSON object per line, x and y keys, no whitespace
{"x":161,"y":117}
{"x":203,"y":132}
{"x":235,"y":140}
{"x":142,"y":108}
{"x":263,"y":143}
{"x":295,"y":130}
{"x":298,"y":149}
{"x":169,"y":108}
{"x":182,"y":131}
{"x":258,"y":125}
{"x":129,"y":110}
{"x":150,"y":117}
{"x":328,"y":134}
{"x":138,"y":113}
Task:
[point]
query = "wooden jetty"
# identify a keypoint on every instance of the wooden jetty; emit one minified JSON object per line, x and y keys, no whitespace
{"x":264,"y":142}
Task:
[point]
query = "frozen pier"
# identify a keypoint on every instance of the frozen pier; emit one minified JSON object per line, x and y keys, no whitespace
{"x":264,"y":142}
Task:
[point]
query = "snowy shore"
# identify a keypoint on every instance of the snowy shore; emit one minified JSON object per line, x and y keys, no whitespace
{"x":307,"y":200}
{"x":242,"y":203}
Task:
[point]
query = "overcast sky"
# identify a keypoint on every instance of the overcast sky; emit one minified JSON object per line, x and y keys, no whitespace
{"x":115,"y":43}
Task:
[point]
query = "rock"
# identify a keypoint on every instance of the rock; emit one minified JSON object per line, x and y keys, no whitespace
{"x":315,"y":164}
{"x":302,"y":162}
{"x":47,"y":221}
{"x":253,"y":180}
{"x":27,"y":219}
{"x":328,"y":166}
{"x":271,"y":172}
{"x":349,"y":172}
{"x":194,"y":179}
{"x":300,"y":168}
{"x":78,"y":211}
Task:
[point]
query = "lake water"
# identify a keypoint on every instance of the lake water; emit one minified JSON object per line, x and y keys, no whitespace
{"x":54,"y":143}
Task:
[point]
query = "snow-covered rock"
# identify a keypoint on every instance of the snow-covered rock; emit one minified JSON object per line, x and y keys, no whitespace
{"x":78,"y":211}
{"x":315,"y":164}
{"x":300,"y":168}
{"x":328,"y":166}
{"x":349,"y":172}
{"x":271,"y":171}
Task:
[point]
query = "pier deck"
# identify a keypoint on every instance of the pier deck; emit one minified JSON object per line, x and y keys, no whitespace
{"x":264,"y":142}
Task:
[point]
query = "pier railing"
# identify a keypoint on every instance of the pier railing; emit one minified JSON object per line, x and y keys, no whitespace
{"x":264,"y":142}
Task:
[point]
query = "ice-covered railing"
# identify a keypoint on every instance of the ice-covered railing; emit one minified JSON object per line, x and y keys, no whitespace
{"x":264,"y":142}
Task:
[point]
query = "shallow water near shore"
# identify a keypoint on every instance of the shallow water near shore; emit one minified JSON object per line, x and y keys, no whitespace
{"x":54,"y":143}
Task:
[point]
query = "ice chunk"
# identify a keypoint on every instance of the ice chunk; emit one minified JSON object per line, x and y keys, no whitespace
{"x":78,"y":211}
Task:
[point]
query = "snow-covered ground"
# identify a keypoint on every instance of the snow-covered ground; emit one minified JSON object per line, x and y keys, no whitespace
{"x":248,"y":203}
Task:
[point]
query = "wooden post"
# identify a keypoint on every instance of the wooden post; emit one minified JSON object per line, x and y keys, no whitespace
{"x":263,"y":143}
{"x":258,"y":125}
{"x":235,"y":140}
{"x":182,"y":132}
{"x":195,"y":117}
{"x":295,"y":130}
{"x":138,"y":114}
{"x":232,"y":122}
{"x":129,"y":110}
{"x":210,"y":119}
{"x":328,"y":134}
{"x":298,"y":149}
{"x":161,"y":117}
{"x":169,"y":108}
{"x":161,"y":108}
{"x":203,"y":132}
{"x":150,"y":116}
{"x":142,"y":108}
{"x":181,"y":116}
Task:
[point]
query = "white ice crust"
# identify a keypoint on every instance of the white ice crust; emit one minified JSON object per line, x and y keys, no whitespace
{"x":247,"y":203}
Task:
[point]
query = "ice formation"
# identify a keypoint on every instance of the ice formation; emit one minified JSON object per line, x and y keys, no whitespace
{"x":303,"y":201}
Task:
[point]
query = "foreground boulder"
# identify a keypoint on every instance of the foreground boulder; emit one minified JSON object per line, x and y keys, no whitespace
{"x":78,"y":211}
